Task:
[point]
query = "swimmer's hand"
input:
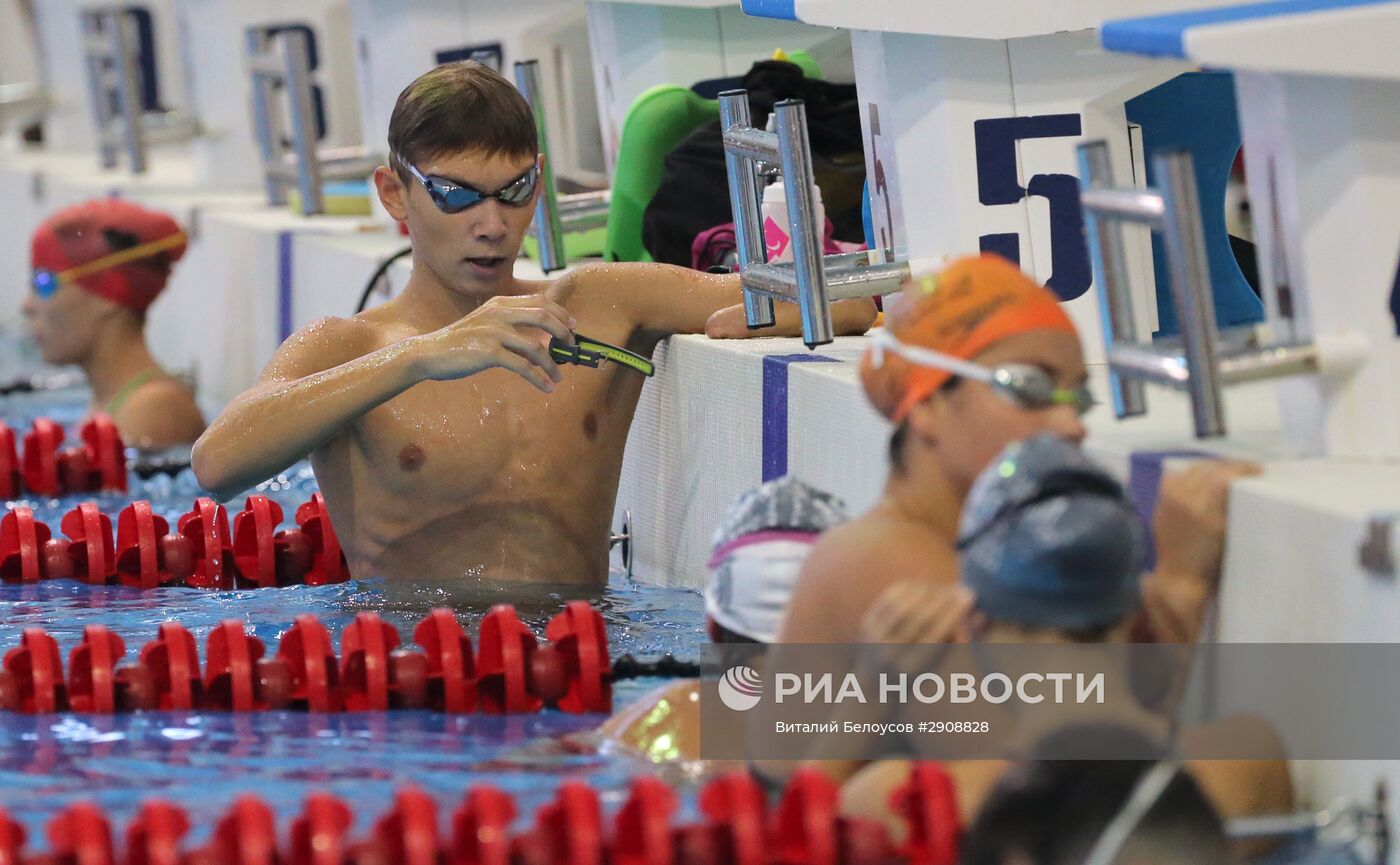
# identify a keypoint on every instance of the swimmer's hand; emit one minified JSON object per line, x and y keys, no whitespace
{"x":1190,"y":524}
{"x":910,"y":626}
{"x":507,"y":332}
{"x":915,"y":611}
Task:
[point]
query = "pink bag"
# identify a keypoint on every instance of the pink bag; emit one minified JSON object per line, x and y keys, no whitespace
{"x":713,"y":245}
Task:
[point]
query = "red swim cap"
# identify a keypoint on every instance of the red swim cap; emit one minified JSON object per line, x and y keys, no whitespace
{"x":86,"y":232}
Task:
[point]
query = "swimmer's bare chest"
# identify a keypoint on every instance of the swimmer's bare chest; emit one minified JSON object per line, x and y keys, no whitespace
{"x":486,"y":476}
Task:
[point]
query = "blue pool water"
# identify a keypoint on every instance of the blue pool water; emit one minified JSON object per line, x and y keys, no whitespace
{"x":202,"y":761}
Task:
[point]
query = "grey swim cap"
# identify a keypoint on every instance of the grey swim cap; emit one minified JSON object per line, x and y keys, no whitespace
{"x":785,"y":504}
{"x":758,"y":553}
{"x":1048,"y":539}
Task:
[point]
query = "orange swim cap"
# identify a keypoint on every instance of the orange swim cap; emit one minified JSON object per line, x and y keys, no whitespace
{"x":961,"y":310}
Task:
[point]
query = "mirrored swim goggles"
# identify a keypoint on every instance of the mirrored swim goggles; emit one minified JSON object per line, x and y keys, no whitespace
{"x":451,"y":196}
{"x":46,"y":282}
{"x":1026,"y":385}
{"x":587,"y":351}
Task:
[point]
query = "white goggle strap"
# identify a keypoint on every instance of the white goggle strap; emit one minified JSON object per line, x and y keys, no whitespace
{"x":881,"y":340}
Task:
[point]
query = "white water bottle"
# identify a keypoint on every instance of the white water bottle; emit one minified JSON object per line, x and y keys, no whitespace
{"x":777,"y":233}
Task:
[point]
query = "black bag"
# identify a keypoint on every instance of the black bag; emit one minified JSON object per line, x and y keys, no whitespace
{"x":694,"y":193}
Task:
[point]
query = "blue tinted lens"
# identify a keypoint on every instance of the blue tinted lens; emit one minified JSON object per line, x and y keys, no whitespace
{"x":457,"y":199}
{"x":45,"y":283}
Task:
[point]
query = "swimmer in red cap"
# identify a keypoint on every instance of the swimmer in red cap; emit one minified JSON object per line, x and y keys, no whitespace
{"x":449,"y":443}
{"x":973,"y":357}
{"x":97,"y":267}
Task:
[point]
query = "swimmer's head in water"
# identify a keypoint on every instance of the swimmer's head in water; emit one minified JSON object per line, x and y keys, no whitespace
{"x":758,"y":551}
{"x":1049,"y":541}
{"x":973,"y":357}
{"x":94,"y":262}
{"x":461,"y":126}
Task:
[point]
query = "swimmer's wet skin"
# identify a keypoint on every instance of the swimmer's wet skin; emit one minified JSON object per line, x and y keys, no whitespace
{"x":441,"y":427}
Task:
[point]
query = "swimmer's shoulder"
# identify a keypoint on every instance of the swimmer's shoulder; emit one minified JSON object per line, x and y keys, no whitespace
{"x":849,"y":567}
{"x":160,"y":413}
{"x":325,"y":343}
{"x":877,"y":540}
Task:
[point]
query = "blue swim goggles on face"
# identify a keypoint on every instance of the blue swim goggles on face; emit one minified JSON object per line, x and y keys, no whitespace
{"x":46,"y":282}
{"x":1027,"y":386}
{"x":451,"y":196}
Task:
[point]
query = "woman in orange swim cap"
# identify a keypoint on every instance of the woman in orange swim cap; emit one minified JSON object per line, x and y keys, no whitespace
{"x":972,"y":358}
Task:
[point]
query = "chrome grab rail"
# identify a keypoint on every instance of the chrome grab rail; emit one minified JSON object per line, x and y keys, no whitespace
{"x":810,"y":280}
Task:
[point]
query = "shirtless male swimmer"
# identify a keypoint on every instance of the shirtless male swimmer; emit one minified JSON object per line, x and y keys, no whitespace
{"x":448,"y":444}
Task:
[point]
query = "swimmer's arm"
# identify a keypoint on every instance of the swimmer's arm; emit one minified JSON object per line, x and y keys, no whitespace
{"x":320,"y":381}
{"x":663,"y":299}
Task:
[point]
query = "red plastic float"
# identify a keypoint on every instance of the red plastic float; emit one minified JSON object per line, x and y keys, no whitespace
{"x":328,"y":563}
{"x":206,"y":528}
{"x":106,"y":454}
{"x":505,"y":647}
{"x":11,"y":478}
{"x":173,"y":663}
{"x":481,"y":828}
{"x":37,"y":673}
{"x":254,"y":548}
{"x":408,"y":833}
{"x":567,"y":831}
{"x":364,"y":672}
{"x":91,"y":548}
{"x":40,"y":462}
{"x":451,"y":671}
{"x":92,"y":685}
{"x":22,"y":540}
{"x":154,"y":836}
{"x":246,"y":835}
{"x":580,"y":638}
{"x":319,"y":835}
{"x":12,"y":839}
{"x":807,"y":829}
{"x":642,"y":833}
{"x":138,"y":549}
{"x":735,"y":812}
{"x":929,"y":806}
{"x":315,"y":679}
{"x":82,"y":835}
{"x":231,"y":655}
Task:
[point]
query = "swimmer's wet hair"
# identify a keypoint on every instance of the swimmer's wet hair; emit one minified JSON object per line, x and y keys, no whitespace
{"x":456,"y":108}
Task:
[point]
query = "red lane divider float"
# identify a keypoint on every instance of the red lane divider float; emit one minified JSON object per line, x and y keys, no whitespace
{"x":804,"y":829}
{"x":202,"y":553}
{"x":46,"y":468}
{"x":374,"y":673}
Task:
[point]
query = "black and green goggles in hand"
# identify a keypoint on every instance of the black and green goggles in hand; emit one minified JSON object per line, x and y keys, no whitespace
{"x":587,"y":351}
